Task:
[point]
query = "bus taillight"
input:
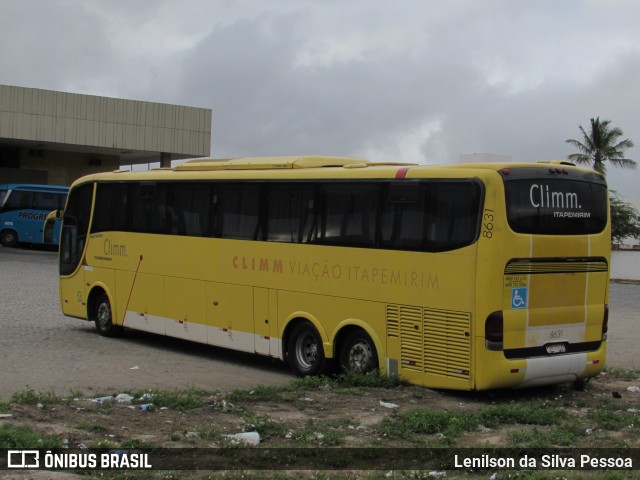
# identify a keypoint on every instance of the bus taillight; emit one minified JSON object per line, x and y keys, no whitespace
{"x":605,"y":322}
{"x":494,"y":331}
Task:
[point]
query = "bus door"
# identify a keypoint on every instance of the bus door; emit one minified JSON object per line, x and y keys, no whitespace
{"x":51,"y":231}
{"x":73,"y":240}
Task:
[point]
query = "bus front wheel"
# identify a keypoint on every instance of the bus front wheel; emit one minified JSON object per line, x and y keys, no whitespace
{"x":104,"y":318}
{"x":358,"y":353}
{"x":9,"y":238}
{"x":305,"y":352}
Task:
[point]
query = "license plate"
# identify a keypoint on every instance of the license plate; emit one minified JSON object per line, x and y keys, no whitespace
{"x":556,"y":348}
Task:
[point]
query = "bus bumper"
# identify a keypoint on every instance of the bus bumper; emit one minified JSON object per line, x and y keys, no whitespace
{"x":495,"y":371}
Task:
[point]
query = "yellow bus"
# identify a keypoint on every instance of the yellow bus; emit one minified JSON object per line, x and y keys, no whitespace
{"x":470,"y":276}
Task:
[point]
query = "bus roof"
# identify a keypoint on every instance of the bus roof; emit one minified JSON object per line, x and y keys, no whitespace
{"x":310,"y":166}
{"x":258,"y":163}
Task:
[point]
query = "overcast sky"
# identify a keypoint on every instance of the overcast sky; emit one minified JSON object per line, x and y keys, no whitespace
{"x":403,"y":80}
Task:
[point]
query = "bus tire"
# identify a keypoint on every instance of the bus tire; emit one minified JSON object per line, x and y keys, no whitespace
{"x":305,"y":352}
{"x":103,"y":317}
{"x":9,"y":238}
{"x":358,"y":353}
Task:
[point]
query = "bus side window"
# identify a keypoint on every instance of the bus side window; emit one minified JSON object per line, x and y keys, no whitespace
{"x":430,"y":216}
{"x":347,"y":214}
{"x":147,"y":208}
{"x":289,"y":212}
{"x":19,"y":201}
{"x":402,"y":219}
{"x":237,"y":213}
{"x":111,"y":208}
{"x":452,"y":213}
{"x":188,"y":209}
{"x":47,"y":201}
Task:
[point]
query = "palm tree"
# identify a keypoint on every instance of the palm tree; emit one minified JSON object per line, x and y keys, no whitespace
{"x":601,"y":145}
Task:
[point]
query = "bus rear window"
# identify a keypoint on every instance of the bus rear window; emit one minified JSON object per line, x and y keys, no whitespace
{"x":556,"y":206}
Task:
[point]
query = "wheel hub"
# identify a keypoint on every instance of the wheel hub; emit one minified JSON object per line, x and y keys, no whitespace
{"x":104,"y":315}
{"x":360,"y":357}
{"x":306,"y":350}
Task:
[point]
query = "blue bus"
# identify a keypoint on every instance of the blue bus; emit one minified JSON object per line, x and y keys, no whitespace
{"x":23,"y":210}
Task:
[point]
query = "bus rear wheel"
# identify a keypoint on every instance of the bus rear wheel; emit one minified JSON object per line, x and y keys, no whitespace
{"x":103,"y":317}
{"x":358,"y":353}
{"x":9,"y":238}
{"x":305,"y":352}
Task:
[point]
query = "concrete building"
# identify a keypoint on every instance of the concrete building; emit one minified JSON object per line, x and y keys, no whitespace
{"x":55,"y":137}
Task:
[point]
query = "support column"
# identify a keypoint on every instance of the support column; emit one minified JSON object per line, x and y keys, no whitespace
{"x":165,"y":160}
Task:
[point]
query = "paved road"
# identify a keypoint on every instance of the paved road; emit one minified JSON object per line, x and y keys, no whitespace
{"x":624,"y":326}
{"x":42,"y":349}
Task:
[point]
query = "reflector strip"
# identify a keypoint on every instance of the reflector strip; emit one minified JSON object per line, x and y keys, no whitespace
{"x":520,"y":266}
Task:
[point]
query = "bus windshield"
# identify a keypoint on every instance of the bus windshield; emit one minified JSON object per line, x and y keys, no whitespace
{"x":556,"y":206}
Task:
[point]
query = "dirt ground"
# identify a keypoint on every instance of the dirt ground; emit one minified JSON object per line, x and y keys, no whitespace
{"x":324,"y":416}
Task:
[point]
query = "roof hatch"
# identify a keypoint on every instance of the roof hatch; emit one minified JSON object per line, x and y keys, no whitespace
{"x":259,"y":163}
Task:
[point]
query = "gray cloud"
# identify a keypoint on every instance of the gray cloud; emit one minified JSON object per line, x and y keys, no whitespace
{"x":415,"y":80}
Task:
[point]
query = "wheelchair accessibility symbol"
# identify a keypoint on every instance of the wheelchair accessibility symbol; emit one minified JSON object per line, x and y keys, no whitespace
{"x":518,"y":298}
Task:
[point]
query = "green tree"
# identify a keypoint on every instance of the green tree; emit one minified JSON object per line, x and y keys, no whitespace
{"x":601,"y":144}
{"x":624,"y":219}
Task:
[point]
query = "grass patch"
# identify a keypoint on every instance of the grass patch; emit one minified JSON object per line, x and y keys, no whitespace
{"x":613,"y":420}
{"x":181,"y":400}
{"x":267,"y":428}
{"x":542,"y":438}
{"x":325,"y":433}
{"x":105,"y":444}
{"x":14,"y":436}
{"x":341,"y":383}
{"x":261,"y":393}
{"x":623,"y":373}
{"x":369,"y":380}
{"x":312,"y":382}
{"x":135,"y":443}
{"x":92,"y":426}
{"x":422,"y":421}
{"x":522,"y":414}
{"x":29,"y":396}
{"x":318,"y":436}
